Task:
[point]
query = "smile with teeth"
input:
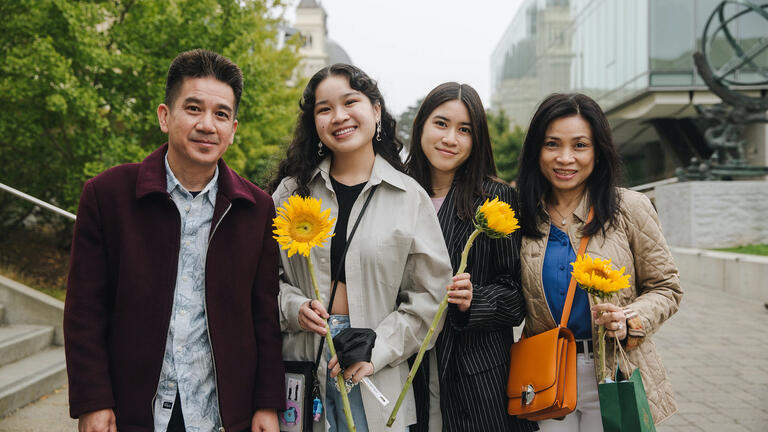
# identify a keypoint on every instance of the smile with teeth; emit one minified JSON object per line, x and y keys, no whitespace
{"x":565,"y":173}
{"x":344,"y":131}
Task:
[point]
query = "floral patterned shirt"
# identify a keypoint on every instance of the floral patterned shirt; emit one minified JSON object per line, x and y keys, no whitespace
{"x":188,"y":359}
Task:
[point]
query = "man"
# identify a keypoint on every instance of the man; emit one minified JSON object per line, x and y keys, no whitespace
{"x":171,"y":318}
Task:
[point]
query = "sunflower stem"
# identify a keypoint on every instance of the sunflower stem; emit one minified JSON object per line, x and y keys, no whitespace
{"x":600,"y":342}
{"x":435,"y":321}
{"x":329,"y":340}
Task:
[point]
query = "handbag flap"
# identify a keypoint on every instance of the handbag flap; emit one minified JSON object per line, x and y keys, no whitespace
{"x":534,"y":362}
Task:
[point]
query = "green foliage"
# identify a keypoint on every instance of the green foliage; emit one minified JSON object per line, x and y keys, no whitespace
{"x":81,"y":82}
{"x":507,"y":144}
{"x":756,"y":249}
{"x":405,"y":122}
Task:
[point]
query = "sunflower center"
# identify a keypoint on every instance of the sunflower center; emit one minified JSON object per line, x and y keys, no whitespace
{"x":303,"y":230}
{"x":600,"y":273}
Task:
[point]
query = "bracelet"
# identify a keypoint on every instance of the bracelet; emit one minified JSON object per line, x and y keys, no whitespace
{"x":635,"y":331}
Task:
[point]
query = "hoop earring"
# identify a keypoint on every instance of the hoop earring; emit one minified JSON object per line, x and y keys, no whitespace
{"x":320,"y":151}
{"x":378,"y":130}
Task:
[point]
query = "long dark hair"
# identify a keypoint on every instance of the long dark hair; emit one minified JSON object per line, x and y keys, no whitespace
{"x":302,"y":158}
{"x":469,"y":177}
{"x":601,"y":184}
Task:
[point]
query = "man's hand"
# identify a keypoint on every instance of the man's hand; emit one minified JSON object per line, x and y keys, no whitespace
{"x":265,"y":420}
{"x":98,"y":421}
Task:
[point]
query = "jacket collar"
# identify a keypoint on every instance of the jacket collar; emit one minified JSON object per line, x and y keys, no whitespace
{"x":382,"y":172}
{"x":152,"y":178}
{"x":582,"y":210}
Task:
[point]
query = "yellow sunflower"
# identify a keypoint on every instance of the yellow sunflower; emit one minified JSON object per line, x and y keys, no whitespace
{"x":301,"y":225}
{"x":496,"y":218}
{"x":598,"y":277}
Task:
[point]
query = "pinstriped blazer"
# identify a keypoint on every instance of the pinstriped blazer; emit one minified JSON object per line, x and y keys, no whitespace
{"x":473,"y":348}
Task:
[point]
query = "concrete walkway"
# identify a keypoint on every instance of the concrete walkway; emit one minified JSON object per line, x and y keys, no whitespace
{"x":715,"y":350}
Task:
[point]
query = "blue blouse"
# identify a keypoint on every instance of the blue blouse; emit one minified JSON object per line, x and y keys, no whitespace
{"x":556,"y":275}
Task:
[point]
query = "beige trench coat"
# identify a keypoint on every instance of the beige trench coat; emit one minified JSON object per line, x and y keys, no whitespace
{"x":636,"y":243}
{"x":397,"y":253}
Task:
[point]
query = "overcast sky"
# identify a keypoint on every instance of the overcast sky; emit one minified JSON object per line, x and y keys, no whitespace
{"x":409,"y":47}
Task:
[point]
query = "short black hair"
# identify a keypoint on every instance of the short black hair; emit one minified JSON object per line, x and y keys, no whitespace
{"x":200,"y":63}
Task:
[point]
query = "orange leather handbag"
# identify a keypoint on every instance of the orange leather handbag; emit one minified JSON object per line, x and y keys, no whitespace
{"x":542,"y":372}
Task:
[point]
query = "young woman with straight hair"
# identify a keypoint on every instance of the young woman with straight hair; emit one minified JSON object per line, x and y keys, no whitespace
{"x":452,"y":158}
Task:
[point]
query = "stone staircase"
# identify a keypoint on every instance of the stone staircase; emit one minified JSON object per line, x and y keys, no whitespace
{"x":31,"y":352}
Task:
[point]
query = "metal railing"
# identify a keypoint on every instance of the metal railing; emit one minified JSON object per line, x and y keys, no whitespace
{"x":38,"y":202}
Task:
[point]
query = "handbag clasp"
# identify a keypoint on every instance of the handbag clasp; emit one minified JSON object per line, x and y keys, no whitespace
{"x":527,"y":395}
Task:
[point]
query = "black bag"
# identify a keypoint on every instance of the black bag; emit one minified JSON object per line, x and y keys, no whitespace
{"x":301,"y":384}
{"x":300,"y":388}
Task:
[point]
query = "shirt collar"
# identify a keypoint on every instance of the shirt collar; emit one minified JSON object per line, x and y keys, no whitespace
{"x":209,"y":191}
{"x":382,"y":172}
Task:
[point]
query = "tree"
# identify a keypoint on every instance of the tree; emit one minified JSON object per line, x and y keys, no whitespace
{"x":81,"y":82}
{"x":405,"y":122}
{"x":507,"y":144}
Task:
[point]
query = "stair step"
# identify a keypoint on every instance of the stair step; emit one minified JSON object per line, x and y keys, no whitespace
{"x":21,"y":340}
{"x":27,"y":380}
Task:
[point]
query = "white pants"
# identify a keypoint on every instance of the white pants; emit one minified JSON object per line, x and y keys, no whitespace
{"x":586,"y":417}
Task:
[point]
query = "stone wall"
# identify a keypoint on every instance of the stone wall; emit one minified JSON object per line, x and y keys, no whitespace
{"x":738,"y":274}
{"x":714,"y":214}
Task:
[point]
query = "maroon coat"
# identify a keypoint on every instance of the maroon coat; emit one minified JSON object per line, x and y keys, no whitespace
{"x":120,"y":293}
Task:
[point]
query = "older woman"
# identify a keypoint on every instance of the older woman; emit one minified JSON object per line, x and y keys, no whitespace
{"x":568,"y":165}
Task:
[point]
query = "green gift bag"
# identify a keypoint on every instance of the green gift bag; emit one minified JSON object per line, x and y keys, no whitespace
{"x":624,"y":406}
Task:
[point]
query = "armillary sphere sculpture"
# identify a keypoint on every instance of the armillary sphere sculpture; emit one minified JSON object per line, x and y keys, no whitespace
{"x":728,"y":78}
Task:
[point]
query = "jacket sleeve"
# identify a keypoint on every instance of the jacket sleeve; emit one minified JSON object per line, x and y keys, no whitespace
{"x":427,"y":273}
{"x":86,"y":312}
{"x":657,"y":279}
{"x":266,"y":322}
{"x":498,"y":304}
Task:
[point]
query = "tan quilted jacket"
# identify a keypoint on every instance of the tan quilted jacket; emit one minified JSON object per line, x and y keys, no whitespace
{"x":636,"y":243}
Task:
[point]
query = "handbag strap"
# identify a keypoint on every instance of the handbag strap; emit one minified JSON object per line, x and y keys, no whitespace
{"x":572,"y":285}
{"x":338,"y":270}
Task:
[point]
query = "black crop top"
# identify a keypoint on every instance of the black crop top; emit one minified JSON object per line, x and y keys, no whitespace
{"x":346,"y":196}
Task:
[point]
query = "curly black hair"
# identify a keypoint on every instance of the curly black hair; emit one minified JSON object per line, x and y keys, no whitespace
{"x":302,"y":158}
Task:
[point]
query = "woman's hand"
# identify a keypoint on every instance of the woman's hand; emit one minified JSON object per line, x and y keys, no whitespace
{"x":356,"y":371}
{"x":311,"y":316}
{"x":612,"y":318}
{"x":460,"y":292}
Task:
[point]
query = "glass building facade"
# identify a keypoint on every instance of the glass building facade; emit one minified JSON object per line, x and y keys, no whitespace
{"x":619,"y":52}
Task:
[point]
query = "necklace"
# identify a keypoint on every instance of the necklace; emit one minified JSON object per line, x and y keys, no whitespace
{"x":564,"y":221}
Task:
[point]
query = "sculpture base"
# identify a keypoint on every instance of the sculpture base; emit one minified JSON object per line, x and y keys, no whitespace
{"x":714,"y":214}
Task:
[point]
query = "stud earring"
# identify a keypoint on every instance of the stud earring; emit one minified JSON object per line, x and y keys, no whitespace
{"x":378,"y":130}
{"x":320,"y":151}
